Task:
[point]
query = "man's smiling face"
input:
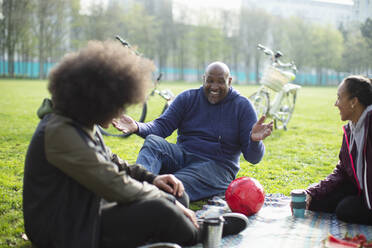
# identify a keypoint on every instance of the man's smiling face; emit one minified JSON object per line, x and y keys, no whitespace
{"x":216,"y":83}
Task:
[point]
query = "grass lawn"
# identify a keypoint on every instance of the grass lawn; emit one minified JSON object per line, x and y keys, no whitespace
{"x":304,"y":154}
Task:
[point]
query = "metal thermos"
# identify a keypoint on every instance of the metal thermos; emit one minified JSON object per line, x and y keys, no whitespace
{"x":212,"y":232}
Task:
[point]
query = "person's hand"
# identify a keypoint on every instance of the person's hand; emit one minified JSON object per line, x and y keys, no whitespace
{"x":188,"y":213}
{"x":125,"y":124}
{"x":260,"y":130}
{"x":169,"y":183}
{"x":308,"y":201}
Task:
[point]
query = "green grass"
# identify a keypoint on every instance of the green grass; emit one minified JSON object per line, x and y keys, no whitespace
{"x":304,"y":154}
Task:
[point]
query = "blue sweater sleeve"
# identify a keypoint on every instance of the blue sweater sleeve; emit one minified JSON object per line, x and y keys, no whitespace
{"x":253,"y":151}
{"x":169,"y":121}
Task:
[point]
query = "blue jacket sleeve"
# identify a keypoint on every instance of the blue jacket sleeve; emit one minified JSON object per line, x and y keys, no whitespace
{"x":169,"y":121}
{"x":253,"y":151}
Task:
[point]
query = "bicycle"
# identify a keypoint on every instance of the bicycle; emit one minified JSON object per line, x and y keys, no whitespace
{"x":276,"y":88}
{"x":139,"y":112}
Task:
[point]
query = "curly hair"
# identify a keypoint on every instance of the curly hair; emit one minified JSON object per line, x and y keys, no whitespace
{"x":359,"y":87}
{"x":95,"y":84}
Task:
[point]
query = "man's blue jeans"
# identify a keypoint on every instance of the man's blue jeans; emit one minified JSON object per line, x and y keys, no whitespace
{"x":202,"y":177}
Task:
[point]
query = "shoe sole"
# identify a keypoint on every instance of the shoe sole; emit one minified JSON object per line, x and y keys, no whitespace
{"x":234,"y":223}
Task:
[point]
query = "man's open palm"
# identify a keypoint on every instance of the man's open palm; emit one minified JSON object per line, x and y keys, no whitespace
{"x":260,"y":130}
{"x":125,"y":124}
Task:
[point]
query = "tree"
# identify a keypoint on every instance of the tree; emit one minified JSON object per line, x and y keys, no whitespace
{"x":141,"y":30}
{"x":97,"y":25}
{"x":231,"y":41}
{"x":51,"y":30}
{"x":366,"y":30}
{"x":166,"y":32}
{"x":181,"y":44}
{"x":254,"y":26}
{"x":355,"y":58}
{"x":13,"y":27}
{"x":327,"y":49}
{"x":199,"y":47}
{"x":77,"y":23}
{"x":299,"y":41}
{"x":26,"y":46}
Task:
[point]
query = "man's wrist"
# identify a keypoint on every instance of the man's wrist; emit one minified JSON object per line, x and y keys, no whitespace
{"x":137,"y":129}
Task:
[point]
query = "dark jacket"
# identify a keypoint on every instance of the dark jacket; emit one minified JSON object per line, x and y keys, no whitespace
{"x":344,"y":171}
{"x":68,"y":171}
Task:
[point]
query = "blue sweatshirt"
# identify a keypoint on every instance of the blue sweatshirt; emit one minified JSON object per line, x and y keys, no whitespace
{"x":220,"y":132}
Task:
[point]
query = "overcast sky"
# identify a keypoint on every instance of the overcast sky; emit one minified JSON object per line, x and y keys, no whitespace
{"x":232,"y":4}
{"x":212,"y":3}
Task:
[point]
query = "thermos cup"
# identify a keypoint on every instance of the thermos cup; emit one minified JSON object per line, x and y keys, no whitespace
{"x":298,"y":202}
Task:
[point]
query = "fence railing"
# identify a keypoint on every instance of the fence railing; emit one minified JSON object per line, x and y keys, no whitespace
{"x":32,"y":70}
{"x":24,"y":69}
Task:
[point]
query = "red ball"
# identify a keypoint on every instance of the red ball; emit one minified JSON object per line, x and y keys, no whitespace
{"x":245,"y":195}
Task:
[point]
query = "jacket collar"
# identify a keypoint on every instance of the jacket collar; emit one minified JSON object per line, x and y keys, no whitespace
{"x":90,"y":131}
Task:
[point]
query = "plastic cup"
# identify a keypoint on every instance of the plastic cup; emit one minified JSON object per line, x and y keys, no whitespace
{"x":298,"y":202}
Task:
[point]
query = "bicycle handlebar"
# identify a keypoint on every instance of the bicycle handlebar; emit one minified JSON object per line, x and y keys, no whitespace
{"x":266,"y":50}
{"x":125,"y":43}
{"x":159,"y":77}
{"x":275,"y":58}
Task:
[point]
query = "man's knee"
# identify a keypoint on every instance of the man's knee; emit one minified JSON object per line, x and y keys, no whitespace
{"x":153,"y":140}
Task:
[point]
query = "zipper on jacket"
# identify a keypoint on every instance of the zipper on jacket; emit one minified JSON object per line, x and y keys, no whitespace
{"x":351,"y":160}
{"x":365,"y":169}
{"x":220,"y":128}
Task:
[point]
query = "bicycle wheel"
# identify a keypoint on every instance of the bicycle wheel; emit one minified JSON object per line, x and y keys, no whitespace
{"x":261,"y":102}
{"x":137,"y":112}
{"x":285,"y":112}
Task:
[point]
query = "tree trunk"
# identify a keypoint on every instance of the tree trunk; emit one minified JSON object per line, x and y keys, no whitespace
{"x":257,"y":68}
{"x":42,"y":13}
{"x":319,"y":74}
{"x":10,"y":33}
{"x":181,"y":66}
{"x":247,"y":63}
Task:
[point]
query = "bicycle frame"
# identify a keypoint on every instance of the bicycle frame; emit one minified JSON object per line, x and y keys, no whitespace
{"x":276,"y":78}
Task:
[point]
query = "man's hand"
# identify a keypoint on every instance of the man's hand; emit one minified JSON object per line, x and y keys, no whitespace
{"x":125,"y":124}
{"x":170,"y":184}
{"x":260,"y":130}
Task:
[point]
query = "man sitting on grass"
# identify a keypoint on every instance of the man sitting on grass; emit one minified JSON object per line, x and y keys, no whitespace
{"x":215,"y":125}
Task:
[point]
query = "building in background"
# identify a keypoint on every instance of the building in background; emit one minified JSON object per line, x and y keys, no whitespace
{"x":152,"y":7}
{"x":1,"y":10}
{"x":316,"y":11}
{"x":362,"y":10}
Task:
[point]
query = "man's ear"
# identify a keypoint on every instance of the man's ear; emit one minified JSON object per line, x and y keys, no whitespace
{"x":230,"y":79}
